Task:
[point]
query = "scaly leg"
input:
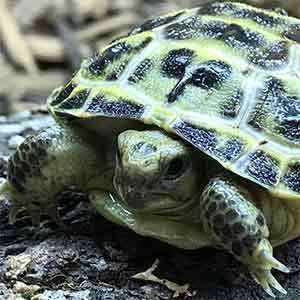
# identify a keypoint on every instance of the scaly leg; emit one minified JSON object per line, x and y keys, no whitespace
{"x":46,"y":164}
{"x":235,"y":224}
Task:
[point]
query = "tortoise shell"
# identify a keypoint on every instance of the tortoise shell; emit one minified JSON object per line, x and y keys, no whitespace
{"x":224,"y":77}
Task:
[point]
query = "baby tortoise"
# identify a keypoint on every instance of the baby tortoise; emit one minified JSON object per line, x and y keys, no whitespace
{"x":186,"y":130}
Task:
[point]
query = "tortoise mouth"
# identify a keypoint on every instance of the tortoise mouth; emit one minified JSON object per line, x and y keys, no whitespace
{"x":146,"y":201}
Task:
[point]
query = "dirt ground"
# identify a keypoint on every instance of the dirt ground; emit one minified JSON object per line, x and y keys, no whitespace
{"x":94,"y":259}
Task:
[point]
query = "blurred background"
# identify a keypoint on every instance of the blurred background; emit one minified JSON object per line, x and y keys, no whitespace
{"x":42,"y":42}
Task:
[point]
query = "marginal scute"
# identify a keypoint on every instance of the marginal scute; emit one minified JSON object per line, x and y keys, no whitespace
{"x":182,"y":30}
{"x":263,"y":168}
{"x":232,"y":149}
{"x":202,"y":138}
{"x":99,"y":62}
{"x":122,"y":108}
{"x":154,"y":23}
{"x":291,"y":178}
{"x":215,"y":8}
{"x":63,"y":93}
{"x":224,"y":148}
{"x":76,"y":101}
{"x":293,"y":33}
{"x":242,"y":11}
{"x":110,"y":63}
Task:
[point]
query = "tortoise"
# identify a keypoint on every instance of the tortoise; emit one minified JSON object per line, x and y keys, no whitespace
{"x":186,"y":130}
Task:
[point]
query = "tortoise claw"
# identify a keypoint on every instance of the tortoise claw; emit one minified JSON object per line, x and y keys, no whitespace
{"x":267,"y":280}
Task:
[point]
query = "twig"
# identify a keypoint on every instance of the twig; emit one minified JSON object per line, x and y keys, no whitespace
{"x":107,"y":25}
{"x":14,"y":41}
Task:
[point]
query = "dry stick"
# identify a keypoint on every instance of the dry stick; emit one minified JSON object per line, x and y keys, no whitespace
{"x":40,"y":9}
{"x":106,"y":26}
{"x":14,"y":41}
{"x":46,"y":48}
{"x":51,"y":49}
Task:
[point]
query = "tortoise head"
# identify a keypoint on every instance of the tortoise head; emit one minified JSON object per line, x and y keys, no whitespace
{"x":154,"y":172}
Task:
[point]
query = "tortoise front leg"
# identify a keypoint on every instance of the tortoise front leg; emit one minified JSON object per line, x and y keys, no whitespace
{"x":46,"y":164}
{"x":232,"y":220}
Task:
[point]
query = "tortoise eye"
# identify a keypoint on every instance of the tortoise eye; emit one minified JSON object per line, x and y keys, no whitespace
{"x":175,"y":168}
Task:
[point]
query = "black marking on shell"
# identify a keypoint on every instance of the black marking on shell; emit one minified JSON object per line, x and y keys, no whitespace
{"x":210,"y":74}
{"x":215,"y":8}
{"x":154,"y":23}
{"x":232,"y":34}
{"x":263,"y":168}
{"x":176,"y":91}
{"x":287,"y":117}
{"x":275,"y":103}
{"x":63,"y":93}
{"x":202,"y":138}
{"x":182,"y":30}
{"x":281,"y":11}
{"x":113,"y":54}
{"x":272,"y":57}
{"x":240,"y":11}
{"x":206,"y":140}
{"x":292,"y":177}
{"x":76,"y":101}
{"x":175,"y":62}
{"x":99,"y":62}
{"x":238,"y":37}
{"x":293,"y":33}
{"x":231,"y":107}
{"x":141,"y":70}
{"x":231,"y":150}
{"x":120,"y":109}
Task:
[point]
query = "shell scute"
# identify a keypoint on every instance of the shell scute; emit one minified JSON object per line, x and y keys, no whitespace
{"x":121,"y":108}
{"x":291,"y":178}
{"x":263,"y":168}
{"x":225,"y":147}
{"x":156,"y":22}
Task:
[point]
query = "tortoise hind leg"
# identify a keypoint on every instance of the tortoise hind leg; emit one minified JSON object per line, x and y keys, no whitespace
{"x":237,"y":225}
